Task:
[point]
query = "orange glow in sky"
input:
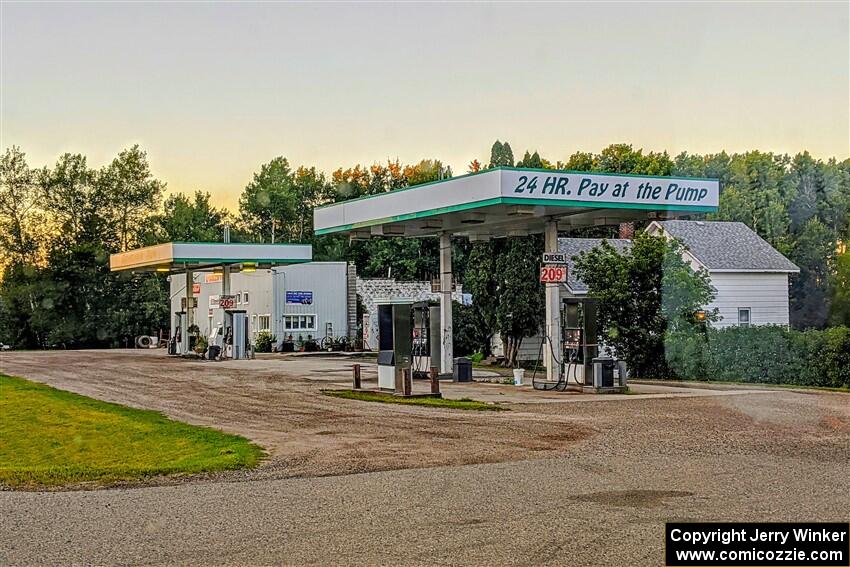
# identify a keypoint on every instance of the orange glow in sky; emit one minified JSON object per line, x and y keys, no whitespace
{"x":213,"y":90}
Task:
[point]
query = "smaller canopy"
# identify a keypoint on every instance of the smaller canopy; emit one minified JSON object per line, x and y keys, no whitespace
{"x":199,"y":256}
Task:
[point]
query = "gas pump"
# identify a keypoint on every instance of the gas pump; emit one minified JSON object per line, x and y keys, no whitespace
{"x":176,"y":344}
{"x":235,"y":334}
{"x":426,"y":338}
{"x":583,"y":366}
{"x":395,"y":334}
{"x":579,"y":332}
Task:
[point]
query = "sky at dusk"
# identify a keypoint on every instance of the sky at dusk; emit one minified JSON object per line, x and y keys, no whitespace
{"x":213,"y":90}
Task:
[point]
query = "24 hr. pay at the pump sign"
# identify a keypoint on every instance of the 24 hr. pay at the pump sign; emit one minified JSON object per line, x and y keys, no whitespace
{"x":611,"y":188}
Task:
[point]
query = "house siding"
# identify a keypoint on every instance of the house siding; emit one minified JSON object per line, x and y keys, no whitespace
{"x":766,"y":294}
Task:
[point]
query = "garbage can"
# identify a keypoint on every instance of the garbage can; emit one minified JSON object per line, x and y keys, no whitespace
{"x":213,"y":351}
{"x":462,"y":370}
{"x":603,"y":372}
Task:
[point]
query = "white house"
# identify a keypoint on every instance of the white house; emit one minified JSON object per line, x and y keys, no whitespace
{"x":749,"y":276}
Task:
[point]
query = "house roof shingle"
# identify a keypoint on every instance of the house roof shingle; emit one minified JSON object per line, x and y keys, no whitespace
{"x":720,"y":246}
{"x":728,"y":246}
{"x":575,"y":246}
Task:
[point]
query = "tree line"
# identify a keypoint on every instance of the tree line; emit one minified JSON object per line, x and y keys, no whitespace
{"x":59,"y":224}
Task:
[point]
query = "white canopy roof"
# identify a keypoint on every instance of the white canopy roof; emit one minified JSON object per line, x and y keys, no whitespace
{"x":182,"y":256}
{"x":503,"y":200}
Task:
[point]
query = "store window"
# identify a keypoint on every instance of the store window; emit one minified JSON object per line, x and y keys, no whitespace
{"x":299,"y":322}
{"x":744,"y":316}
{"x":245,"y":297}
{"x":263,"y":323}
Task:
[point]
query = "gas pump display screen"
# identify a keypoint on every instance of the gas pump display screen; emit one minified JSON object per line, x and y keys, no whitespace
{"x":385,"y":327}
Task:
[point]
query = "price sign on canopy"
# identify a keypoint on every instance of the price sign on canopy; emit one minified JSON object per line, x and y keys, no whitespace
{"x":553,"y":274}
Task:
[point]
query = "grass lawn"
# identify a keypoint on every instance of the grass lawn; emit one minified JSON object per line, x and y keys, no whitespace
{"x":50,"y":437}
{"x":385,"y":398}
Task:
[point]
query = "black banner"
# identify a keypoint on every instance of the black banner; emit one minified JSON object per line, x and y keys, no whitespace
{"x":738,"y":544}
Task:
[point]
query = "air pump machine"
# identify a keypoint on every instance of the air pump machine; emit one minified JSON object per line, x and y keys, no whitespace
{"x":395,"y":335}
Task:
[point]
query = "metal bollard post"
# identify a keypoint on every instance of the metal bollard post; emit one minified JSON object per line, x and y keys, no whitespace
{"x":435,"y":381}
{"x":407,"y":384}
{"x":355,"y":371}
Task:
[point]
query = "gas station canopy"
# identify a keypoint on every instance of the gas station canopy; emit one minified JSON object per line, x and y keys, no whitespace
{"x":199,"y":256}
{"x":508,"y":201}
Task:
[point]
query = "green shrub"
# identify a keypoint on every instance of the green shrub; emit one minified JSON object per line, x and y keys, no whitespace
{"x":265,"y":341}
{"x":685,"y":351}
{"x":836,"y":357}
{"x":464,"y":333}
{"x":764,"y":354}
{"x":477,"y":357}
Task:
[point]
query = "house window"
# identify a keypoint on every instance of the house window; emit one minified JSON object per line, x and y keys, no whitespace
{"x":263,"y":323}
{"x":744,"y":316}
{"x":299,"y":322}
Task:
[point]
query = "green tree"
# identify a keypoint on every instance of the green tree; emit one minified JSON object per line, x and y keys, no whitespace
{"x":501,"y":155}
{"x":520,"y":309}
{"x":19,"y":197}
{"x":755,"y":194}
{"x":813,"y":252}
{"x":643,"y":292}
{"x":188,"y":219}
{"x":73,"y":300}
{"x":426,"y":171}
{"x":481,"y":281}
{"x":531,"y":161}
{"x":580,"y":161}
{"x":269,"y":202}
{"x":311,"y":189}
{"x":133,"y":194}
{"x":840,"y":304}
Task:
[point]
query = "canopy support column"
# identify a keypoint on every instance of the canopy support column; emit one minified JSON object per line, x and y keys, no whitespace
{"x":190,"y":310}
{"x":446,"y":352}
{"x":225,"y":280}
{"x":552,"y":340}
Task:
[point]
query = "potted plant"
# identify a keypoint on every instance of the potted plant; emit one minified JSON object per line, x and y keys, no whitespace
{"x":201,"y":344}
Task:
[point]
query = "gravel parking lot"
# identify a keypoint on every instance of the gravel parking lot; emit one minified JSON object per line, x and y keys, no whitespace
{"x":561,"y":478}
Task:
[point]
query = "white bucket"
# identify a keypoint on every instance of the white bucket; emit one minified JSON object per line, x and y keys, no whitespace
{"x":518,"y":376}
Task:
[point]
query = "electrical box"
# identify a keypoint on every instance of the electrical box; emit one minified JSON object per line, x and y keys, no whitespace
{"x":395,"y":340}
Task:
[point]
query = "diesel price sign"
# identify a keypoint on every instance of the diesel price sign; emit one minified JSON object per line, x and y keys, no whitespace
{"x":553,"y":274}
